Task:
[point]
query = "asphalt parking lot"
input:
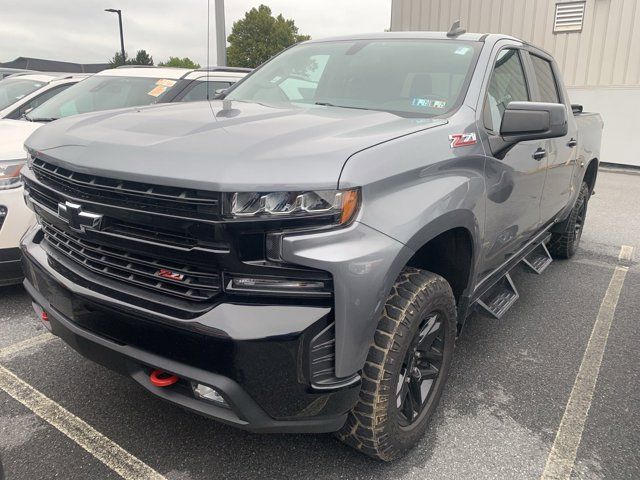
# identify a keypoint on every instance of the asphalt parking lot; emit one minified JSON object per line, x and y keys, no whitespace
{"x":499,"y":417}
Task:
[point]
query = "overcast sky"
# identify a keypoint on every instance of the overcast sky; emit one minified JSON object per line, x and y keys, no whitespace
{"x":80,"y":31}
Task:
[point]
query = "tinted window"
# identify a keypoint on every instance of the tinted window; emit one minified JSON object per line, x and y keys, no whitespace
{"x":37,"y":101}
{"x":545,"y":79}
{"x":103,"y":93}
{"x":14,"y":89}
{"x":507,"y":84}
{"x":198,"y":90}
{"x":413,"y":77}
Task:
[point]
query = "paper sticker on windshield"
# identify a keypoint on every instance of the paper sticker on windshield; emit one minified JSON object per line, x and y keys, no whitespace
{"x":462,"y":50}
{"x":428,"y":103}
{"x":165,"y":82}
{"x":157,"y":91}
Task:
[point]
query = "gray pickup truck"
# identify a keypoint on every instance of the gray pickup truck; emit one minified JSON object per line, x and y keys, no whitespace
{"x":300,"y":255}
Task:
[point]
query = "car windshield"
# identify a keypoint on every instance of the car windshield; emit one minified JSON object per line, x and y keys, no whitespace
{"x":102,"y":92}
{"x":13,"y":89}
{"x":408,"y":77}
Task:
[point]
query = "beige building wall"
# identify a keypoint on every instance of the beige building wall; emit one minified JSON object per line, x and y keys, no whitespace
{"x":600,"y":64}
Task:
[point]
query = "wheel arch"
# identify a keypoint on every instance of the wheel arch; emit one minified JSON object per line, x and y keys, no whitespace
{"x":449,"y":246}
{"x":591,"y":173}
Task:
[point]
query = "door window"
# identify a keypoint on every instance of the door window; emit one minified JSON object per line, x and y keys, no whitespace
{"x":198,"y":90}
{"x":507,"y":84}
{"x":545,"y":79}
{"x":37,"y":101}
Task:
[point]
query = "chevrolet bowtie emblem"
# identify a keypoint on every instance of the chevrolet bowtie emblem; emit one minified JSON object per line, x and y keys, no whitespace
{"x":76,"y":218}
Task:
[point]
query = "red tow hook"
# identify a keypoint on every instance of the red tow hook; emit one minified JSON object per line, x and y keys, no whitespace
{"x":160,"y":378}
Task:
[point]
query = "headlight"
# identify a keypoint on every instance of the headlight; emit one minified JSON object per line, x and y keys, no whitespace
{"x":342,"y":205}
{"x":10,"y":173}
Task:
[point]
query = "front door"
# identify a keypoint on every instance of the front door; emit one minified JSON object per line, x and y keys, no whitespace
{"x":515,"y":175}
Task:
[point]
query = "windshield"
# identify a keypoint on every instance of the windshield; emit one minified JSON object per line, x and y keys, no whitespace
{"x":411,"y":77}
{"x":102,"y":93}
{"x":13,"y":89}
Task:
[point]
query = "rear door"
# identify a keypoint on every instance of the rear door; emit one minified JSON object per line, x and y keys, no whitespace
{"x":514,"y":174}
{"x":562,"y":151}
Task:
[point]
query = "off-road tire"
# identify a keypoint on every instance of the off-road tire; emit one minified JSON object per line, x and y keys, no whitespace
{"x":564,"y":245}
{"x":373,"y":425}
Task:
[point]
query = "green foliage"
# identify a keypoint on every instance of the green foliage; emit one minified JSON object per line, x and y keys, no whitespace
{"x":141,"y":58}
{"x":185,"y":62}
{"x":259,"y":36}
{"x":117,"y":60}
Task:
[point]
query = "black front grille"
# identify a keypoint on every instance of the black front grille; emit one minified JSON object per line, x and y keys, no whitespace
{"x":182,"y":281}
{"x":159,"y":199}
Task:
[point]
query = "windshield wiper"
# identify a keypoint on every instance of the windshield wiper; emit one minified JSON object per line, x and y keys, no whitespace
{"x":43,"y":120}
{"x":328,"y":104}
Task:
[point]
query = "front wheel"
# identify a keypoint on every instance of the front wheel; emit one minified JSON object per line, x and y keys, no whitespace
{"x":564,"y":245}
{"x":406,"y":368}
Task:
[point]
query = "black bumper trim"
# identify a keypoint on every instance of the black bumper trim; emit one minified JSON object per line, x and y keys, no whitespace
{"x":136,"y":363}
{"x":10,"y":266}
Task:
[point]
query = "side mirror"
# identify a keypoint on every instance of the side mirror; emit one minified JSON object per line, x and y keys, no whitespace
{"x":219,"y":93}
{"x":533,"y":121}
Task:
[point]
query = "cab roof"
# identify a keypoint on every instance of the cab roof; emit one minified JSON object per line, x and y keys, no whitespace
{"x":472,"y":37}
{"x":144,"y":71}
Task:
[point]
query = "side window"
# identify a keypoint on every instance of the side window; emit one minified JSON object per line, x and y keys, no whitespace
{"x":37,"y":101}
{"x":507,"y":84}
{"x":198,"y":90}
{"x":546,"y":80}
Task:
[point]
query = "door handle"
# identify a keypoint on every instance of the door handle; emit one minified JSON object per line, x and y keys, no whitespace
{"x":572,"y":143}
{"x":540,"y":153}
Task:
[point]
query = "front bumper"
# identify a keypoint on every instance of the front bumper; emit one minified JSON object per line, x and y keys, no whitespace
{"x":254,"y":355}
{"x":15,"y":222}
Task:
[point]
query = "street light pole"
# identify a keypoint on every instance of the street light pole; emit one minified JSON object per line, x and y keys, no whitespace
{"x":221,"y":37}
{"x":119,"y":12}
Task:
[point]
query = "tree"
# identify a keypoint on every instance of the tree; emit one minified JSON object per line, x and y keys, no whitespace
{"x":259,"y":36}
{"x":142,"y":58}
{"x":185,"y":62}
{"x":117,"y":60}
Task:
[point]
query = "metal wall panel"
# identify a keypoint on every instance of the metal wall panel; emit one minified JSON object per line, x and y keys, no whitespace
{"x":606,"y":52}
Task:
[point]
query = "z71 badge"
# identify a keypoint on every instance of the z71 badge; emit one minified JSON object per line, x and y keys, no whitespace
{"x":462,"y":139}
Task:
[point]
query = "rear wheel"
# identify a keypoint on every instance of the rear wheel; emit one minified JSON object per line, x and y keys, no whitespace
{"x":406,"y":368}
{"x":564,"y":245}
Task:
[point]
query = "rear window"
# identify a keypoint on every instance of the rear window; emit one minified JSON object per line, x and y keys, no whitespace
{"x":102,"y":93}
{"x":14,"y":89}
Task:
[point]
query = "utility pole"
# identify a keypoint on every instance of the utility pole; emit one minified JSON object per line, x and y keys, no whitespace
{"x":119,"y":12}
{"x":221,"y":37}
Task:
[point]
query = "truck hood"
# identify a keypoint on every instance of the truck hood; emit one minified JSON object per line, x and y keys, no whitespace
{"x":13,"y":133}
{"x":221,"y":146}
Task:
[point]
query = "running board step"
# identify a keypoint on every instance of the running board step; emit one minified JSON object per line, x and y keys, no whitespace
{"x":499,"y":298}
{"x":539,"y":259}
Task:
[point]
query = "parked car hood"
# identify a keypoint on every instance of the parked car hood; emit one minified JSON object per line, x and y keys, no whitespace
{"x":13,"y":133}
{"x":221,"y":146}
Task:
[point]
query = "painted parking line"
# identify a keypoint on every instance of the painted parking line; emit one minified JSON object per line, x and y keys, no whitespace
{"x":18,"y":347}
{"x":626,"y":254}
{"x":565,"y":446}
{"x":108,"y":452}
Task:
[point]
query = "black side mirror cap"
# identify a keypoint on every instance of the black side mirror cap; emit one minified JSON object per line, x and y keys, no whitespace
{"x":533,"y":121}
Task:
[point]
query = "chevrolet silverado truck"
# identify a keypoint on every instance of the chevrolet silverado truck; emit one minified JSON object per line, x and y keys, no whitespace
{"x":300,"y":255}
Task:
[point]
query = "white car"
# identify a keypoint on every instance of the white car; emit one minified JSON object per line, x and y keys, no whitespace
{"x":22,"y":92}
{"x":109,"y":89}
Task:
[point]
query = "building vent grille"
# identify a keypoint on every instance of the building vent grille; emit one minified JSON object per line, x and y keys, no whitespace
{"x":569,"y":17}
